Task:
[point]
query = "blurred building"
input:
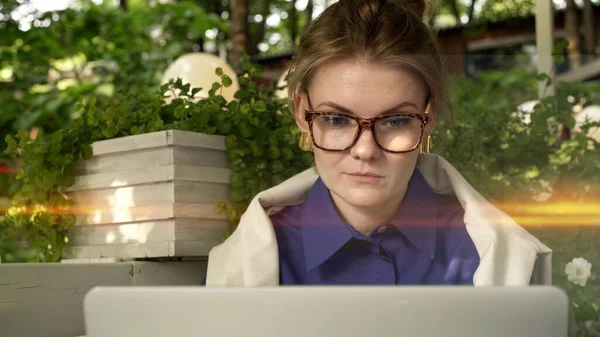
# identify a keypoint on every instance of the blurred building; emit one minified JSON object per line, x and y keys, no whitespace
{"x":484,"y":46}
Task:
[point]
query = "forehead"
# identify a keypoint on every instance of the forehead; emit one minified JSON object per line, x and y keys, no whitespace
{"x":366,"y":88}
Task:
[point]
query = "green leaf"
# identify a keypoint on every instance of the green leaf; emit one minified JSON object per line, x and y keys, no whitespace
{"x":86,"y":151}
{"x":11,"y":145}
{"x":110,"y":131}
{"x":231,"y":141}
{"x":257,"y":149}
{"x":224,"y":128}
{"x":233,"y":106}
{"x":277,"y":179}
{"x":195,"y":91}
{"x":185,"y":88}
{"x":214,"y":108}
{"x":276,"y":166}
{"x":237,"y":195}
{"x":559,"y":59}
{"x":187,"y":125}
{"x":219,"y":71}
{"x":287,"y":153}
{"x":180,"y":112}
{"x":201,"y":118}
{"x":158,"y":124}
{"x":260,"y":106}
{"x":274,"y":152}
{"x":542,"y":77}
{"x":227,"y":82}
{"x":245,"y":130}
{"x":245,"y":108}
{"x":237,"y":180}
{"x":221,"y":206}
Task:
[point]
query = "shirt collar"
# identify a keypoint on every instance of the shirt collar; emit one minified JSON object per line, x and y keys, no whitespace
{"x":323,"y":230}
{"x":417,"y":216}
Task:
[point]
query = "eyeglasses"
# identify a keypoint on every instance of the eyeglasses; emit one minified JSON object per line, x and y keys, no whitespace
{"x":396,"y":133}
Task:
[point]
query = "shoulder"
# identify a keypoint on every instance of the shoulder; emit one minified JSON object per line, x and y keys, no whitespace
{"x":450,"y":217}
{"x":287,"y":226}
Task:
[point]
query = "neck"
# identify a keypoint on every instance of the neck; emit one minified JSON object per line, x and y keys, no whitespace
{"x":366,"y":218}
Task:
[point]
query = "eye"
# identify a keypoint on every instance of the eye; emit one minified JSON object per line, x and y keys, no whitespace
{"x":396,"y":122}
{"x":335,"y":120}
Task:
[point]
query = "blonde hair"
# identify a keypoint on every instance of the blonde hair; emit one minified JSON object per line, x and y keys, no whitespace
{"x":391,"y":32}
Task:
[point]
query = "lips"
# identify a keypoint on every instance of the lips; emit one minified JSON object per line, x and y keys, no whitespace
{"x":365,"y":174}
{"x":364,"y":177}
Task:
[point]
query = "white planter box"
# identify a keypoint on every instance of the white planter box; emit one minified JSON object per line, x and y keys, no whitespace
{"x":150,"y":196}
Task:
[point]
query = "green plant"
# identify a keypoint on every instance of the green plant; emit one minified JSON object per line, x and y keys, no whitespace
{"x":86,"y":51}
{"x":505,"y":157}
{"x":260,"y":135}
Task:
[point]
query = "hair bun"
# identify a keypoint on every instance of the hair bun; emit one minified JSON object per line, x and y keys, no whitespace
{"x":418,"y":7}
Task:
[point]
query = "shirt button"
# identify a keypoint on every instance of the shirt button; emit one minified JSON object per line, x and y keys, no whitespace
{"x":382,"y":229}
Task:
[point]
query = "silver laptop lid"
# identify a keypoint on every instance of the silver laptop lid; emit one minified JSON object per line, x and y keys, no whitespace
{"x":327,"y":311}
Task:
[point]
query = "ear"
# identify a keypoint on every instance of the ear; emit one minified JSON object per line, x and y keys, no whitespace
{"x":301,"y":103}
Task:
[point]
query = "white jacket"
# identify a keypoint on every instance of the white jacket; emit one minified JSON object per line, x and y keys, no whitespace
{"x":508,"y":254}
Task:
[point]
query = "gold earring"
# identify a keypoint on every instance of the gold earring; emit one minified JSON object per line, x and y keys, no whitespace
{"x":426,"y":145}
{"x":305,"y":142}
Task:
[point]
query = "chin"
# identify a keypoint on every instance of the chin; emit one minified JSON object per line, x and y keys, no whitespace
{"x":362,"y":197}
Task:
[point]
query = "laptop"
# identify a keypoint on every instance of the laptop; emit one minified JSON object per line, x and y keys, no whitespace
{"x":318,"y":311}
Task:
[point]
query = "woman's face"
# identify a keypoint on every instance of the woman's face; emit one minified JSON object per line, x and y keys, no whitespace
{"x":364,"y":176}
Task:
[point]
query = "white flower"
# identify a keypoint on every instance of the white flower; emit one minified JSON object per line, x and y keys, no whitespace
{"x":578,"y":271}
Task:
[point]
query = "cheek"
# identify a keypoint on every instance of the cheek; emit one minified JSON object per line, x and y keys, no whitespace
{"x":327,"y":162}
{"x":401,"y":166}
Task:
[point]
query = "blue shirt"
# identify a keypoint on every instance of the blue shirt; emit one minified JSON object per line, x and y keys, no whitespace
{"x":426,"y":242}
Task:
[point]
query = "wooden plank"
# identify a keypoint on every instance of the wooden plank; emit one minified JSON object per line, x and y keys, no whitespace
{"x":130,"y":143}
{"x":201,"y":173}
{"x":122,"y":178}
{"x":152,"y":157}
{"x":105,"y":216}
{"x":122,"y":251}
{"x":147,"y":232}
{"x":200,"y":192}
{"x":196,"y":139}
{"x":120,"y":198}
{"x":199,"y":157}
{"x":159,"y":139}
{"x":200,"y":230}
{"x":143,"y":250}
{"x":587,"y":71}
{"x":143,"y":232}
{"x":123,"y":197}
{"x":45,"y":300}
{"x":159,"y":156}
{"x":195,"y":248}
{"x":172,"y":273}
{"x":150,"y":175}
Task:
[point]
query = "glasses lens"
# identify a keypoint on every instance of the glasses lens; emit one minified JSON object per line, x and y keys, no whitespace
{"x":398,"y":133}
{"x":333,"y":132}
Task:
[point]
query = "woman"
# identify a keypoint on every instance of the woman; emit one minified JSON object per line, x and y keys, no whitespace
{"x":366,"y":88}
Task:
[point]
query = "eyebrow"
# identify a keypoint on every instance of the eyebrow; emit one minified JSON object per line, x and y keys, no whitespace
{"x":388,"y":111}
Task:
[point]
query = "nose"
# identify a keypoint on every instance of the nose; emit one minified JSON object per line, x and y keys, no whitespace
{"x":365,"y":147}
